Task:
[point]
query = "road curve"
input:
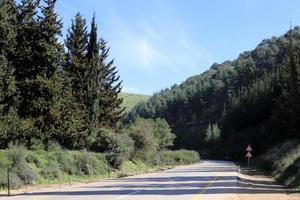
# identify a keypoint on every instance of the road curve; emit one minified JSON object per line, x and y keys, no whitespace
{"x":205,"y":180}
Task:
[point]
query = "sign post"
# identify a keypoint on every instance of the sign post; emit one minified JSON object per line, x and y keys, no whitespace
{"x":248,"y":154}
{"x":8,"y":182}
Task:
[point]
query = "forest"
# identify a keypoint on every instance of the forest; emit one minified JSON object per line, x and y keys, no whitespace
{"x":253,"y":99}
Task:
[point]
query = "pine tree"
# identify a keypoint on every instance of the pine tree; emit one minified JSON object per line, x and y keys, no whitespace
{"x":76,"y":65}
{"x":94,"y":78}
{"x":110,"y":101}
{"x":8,"y":19}
{"x":38,"y":57}
{"x":293,"y":83}
{"x":25,"y":61}
{"x":8,"y":94}
{"x":216,"y":132}
{"x":286,"y":115}
{"x":76,"y":75}
{"x":209,"y":133}
{"x":212,"y":132}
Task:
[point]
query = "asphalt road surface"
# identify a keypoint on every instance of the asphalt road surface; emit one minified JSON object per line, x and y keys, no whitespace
{"x":205,"y":180}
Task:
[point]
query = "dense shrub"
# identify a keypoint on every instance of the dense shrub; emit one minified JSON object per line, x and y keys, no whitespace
{"x":18,"y":167}
{"x":141,"y":131}
{"x":88,"y":163}
{"x":66,"y":162}
{"x":16,"y":154}
{"x":118,"y":147}
{"x":178,"y":157}
{"x":149,"y":136}
{"x":84,"y":162}
{"x":51,"y":169}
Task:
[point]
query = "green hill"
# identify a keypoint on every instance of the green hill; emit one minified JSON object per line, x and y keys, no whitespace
{"x":253,"y":99}
{"x":130,"y":99}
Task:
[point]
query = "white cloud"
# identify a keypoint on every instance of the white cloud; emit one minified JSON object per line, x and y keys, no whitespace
{"x":147,"y":54}
{"x":156,"y":49}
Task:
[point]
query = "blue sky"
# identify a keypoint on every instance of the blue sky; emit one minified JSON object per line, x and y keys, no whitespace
{"x":157,"y":43}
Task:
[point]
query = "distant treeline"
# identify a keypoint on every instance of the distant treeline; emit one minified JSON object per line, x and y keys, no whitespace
{"x":251,"y":100}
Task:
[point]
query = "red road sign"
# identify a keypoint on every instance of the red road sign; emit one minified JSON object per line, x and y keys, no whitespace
{"x":249,"y":148}
{"x":249,"y":155}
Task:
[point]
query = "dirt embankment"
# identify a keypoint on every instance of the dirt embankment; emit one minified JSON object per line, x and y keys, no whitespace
{"x":261,"y":187}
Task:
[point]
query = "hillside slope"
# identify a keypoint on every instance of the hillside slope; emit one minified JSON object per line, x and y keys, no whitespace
{"x":130,"y":99}
{"x":251,"y":99}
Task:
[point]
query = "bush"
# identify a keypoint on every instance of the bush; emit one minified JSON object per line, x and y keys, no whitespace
{"x":4,"y":164}
{"x":66,"y":162}
{"x":16,"y":155}
{"x":84,"y":162}
{"x":54,"y":146}
{"x":118,"y":147}
{"x":51,"y":169}
{"x":18,"y":166}
{"x":145,"y":143}
{"x":163,"y":134}
{"x":178,"y":157}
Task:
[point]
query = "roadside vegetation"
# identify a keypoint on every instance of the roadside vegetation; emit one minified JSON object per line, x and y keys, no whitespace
{"x":58,"y":166}
{"x":282,"y":162}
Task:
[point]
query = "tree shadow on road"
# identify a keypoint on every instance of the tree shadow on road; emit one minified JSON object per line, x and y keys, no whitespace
{"x":176,"y":185}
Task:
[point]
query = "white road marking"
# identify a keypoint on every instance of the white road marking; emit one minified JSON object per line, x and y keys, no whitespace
{"x":126,"y":195}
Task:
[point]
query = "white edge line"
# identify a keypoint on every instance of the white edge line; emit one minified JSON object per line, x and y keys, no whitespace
{"x":126,"y":195}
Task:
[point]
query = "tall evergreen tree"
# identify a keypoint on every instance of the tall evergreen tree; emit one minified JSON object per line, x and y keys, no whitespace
{"x":38,"y":57}
{"x":110,"y":101}
{"x":94,"y":78}
{"x":50,"y":56}
{"x":76,"y":69}
{"x":287,"y":113}
{"x":8,"y":95}
{"x":76,"y":43}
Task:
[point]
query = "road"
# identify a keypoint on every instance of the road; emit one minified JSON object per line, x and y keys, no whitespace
{"x":205,"y":180}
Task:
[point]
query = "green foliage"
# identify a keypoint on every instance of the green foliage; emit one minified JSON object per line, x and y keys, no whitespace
{"x":212,"y":133}
{"x":8,"y":93}
{"x":141,"y":131}
{"x":162,"y":133}
{"x":18,"y":166}
{"x":58,"y":166}
{"x":53,"y":146}
{"x":84,"y":162}
{"x":110,"y":102}
{"x":118,"y":147}
{"x":178,"y":157}
{"x":47,"y":94}
{"x":149,"y":136}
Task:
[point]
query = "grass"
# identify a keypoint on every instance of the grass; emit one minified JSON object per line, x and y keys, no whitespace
{"x":130,"y":100}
